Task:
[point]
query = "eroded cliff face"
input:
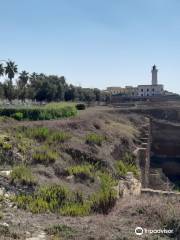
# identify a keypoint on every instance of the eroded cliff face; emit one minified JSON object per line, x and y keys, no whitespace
{"x":165,"y":150}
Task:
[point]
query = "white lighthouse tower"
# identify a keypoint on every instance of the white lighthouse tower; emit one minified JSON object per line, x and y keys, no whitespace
{"x":154,"y":75}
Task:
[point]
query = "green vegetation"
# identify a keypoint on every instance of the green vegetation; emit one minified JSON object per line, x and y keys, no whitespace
{"x":82,"y":171}
{"x":104,"y":200}
{"x":18,"y":116}
{"x":39,"y":133}
{"x":94,"y":138}
{"x":122,"y":168}
{"x":57,"y":198}
{"x":38,"y":205}
{"x":76,"y":209}
{"x":61,"y":231}
{"x":44,"y":155}
{"x":59,"y":137}
{"x":47,"y":198}
{"x":23,"y":175}
{"x":43,"y":134}
{"x":129,"y":158}
{"x":40,"y":113}
{"x":4,"y":143}
{"x":6,"y":146}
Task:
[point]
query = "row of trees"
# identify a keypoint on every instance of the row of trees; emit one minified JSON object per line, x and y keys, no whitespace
{"x":41,"y":87}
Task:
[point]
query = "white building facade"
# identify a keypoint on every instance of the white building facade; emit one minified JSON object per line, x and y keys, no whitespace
{"x":151,"y":90}
{"x":154,"y":89}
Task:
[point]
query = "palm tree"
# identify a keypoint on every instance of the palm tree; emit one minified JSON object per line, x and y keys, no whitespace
{"x":22,"y":84}
{"x":1,"y":70}
{"x":11,"y":69}
{"x":23,"y":79}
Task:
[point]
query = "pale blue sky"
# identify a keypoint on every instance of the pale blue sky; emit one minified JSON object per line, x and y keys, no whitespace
{"x":94,"y":43}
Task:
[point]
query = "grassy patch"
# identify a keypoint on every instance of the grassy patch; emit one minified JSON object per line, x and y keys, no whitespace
{"x":59,"y":199}
{"x":104,"y":200}
{"x":122,"y":168}
{"x":76,"y":209}
{"x":82,"y":171}
{"x":54,"y":198}
{"x":61,"y":230}
{"x":43,"y":134}
{"x":47,"y":198}
{"x":60,"y":137}
{"x":44,"y":155}
{"x":4,"y":143}
{"x":39,"y":133}
{"x":48,"y":112}
{"x":23,"y":175}
{"x":95,"y":139}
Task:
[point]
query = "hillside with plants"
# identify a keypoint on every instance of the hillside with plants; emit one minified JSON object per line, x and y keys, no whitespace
{"x":58,"y":178}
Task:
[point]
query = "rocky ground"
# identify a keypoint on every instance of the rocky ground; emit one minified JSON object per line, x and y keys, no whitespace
{"x":129,"y":213}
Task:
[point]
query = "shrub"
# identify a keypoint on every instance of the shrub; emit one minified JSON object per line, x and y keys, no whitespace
{"x":80,"y":106}
{"x":129,"y":158}
{"x":82,"y":171}
{"x":44,"y":156}
{"x":18,"y":116}
{"x":6,"y":146}
{"x":75,"y":209}
{"x":4,"y":142}
{"x":94,"y":138}
{"x":55,"y":196}
{"x":42,"y":134}
{"x":122,"y":168}
{"x":23,"y":175}
{"x":47,"y":198}
{"x":23,"y":201}
{"x":103,"y":201}
{"x":60,"y":137}
{"x":52,"y":111}
{"x":38,"y":205}
{"x":39,"y":133}
{"x":60,"y":231}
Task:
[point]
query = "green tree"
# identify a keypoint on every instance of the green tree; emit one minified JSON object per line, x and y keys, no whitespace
{"x":1,"y":70}
{"x":10,"y":70}
{"x":9,"y":91}
{"x":22,"y":84}
{"x":1,"y":91}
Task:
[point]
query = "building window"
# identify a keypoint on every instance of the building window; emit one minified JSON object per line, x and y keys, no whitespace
{"x":153,"y":89}
{"x":141,"y":90}
{"x":147,"y":89}
{"x":148,"y":95}
{"x":141,"y":95}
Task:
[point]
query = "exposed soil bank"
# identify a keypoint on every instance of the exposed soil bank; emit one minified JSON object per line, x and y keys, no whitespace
{"x":165,"y":149}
